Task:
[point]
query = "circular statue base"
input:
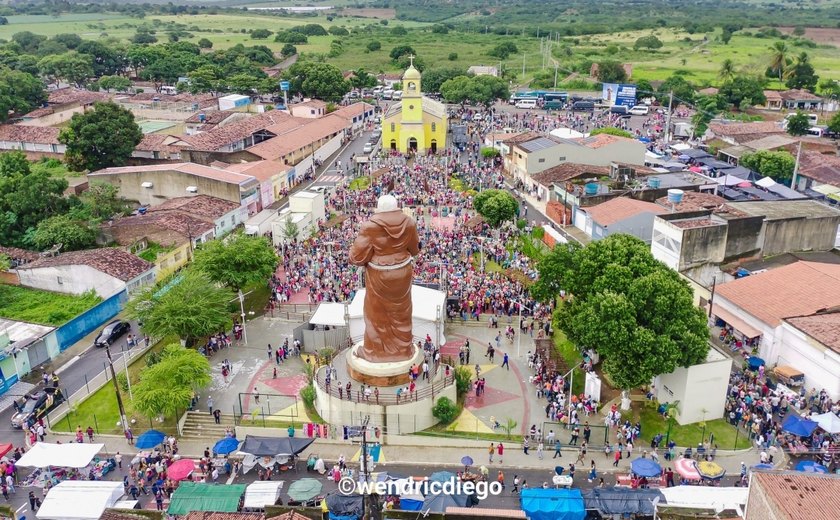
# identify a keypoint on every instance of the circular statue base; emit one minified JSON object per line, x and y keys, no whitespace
{"x":390,"y":373}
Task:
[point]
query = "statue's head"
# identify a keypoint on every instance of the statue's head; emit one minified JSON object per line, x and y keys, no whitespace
{"x":386,"y":203}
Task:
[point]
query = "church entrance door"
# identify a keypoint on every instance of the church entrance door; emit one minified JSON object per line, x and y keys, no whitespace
{"x":434,"y":146}
{"x":393,"y":144}
{"x":412,"y":144}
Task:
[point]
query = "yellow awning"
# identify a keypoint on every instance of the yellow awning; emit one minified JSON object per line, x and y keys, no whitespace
{"x":735,"y":322}
{"x":826,"y":189}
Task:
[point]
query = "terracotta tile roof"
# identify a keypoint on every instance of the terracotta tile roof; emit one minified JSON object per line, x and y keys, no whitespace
{"x":189,"y":168}
{"x":354,"y":110}
{"x":64,"y":96}
{"x":221,"y":136}
{"x":823,"y":327}
{"x":794,"y":495}
{"x":211,"y":117}
{"x":820,"y":167}
{"x":131,"y":514}
{"x":29,"y":134}
{"x":621,"y":208}
{"x":698,"y":201}
{"x":198,"y":205}
{"x":177,"y":98}
{"x":523,"y":137}
{"x":798,"y":289}
{"x":314,"y":103}
{"x":167,"y":228}
{"x":755,"y":127}
{"x":262,"y":170}
{"x":709,"y":91}
{"x":39,"y":112}
{"x":157,"y":143}
{"x":109,"y":260}
{"x":19,"y":254}
{"x":291,"y":515}
{"x":771,"y":142}
{"x":601,"y":140}
{"x":206,"y":515}
{"x":567,"y":171}
{"x":486,"y":512}
{"x":298,"y":138}
{"x":772,"y":95}
{"x":798,"y":95}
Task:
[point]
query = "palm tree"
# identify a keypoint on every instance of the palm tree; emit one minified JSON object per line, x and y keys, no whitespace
{"x":803,"y":58}
{"x":727,"y":70}
{"x":778,"y":57}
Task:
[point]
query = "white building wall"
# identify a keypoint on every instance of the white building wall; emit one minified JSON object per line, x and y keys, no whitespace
{"x":665,"y":243}
{"x":820,"y":364}
{"x":71,"y":279}
{"x":700,"y":389}
{"x":769,"y":346}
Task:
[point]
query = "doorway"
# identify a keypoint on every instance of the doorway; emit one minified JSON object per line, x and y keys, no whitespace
{"x":393,"y":144}
{"x":412,"y":144}
{"x":434,"y":145}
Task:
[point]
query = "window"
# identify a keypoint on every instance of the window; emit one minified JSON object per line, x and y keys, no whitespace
{"x":434,"y":127}
{"x":561,"y":158}
{"x":59,"y":280}
{"x":541,"y":160}
{"x":412,"y":86}
{"x":393,"y":127}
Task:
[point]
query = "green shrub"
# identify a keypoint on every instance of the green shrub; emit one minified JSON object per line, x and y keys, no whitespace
{"x":122,"y":380}
{"x":445,"y":410}
{"x":538,"y":232}
{"x":453,"y":56}
{"x":307,"y":393}
{"x":521,"y":223}
{"x":463,"y":381}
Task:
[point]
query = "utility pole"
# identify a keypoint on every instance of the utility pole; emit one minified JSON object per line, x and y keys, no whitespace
{"x":127,"y":376}
{"x":364,"y":466}
{"x":796,"y":167}
{"x":668,"y":122}
{"x":555,"y":75}
{"x":123,"y":418}
{"x":523,"y":66}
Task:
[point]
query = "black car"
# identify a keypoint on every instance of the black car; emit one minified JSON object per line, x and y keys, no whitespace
{"x":36,"y":406}
{"x":112,"y":332}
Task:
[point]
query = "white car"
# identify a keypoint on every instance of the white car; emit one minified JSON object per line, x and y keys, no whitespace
{"x":640,"y":110}
{"x":368,"y":148}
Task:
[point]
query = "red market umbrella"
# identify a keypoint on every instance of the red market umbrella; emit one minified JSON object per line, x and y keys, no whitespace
{"x":686,"y":469}
{"x":181,"y":469}
{"x":745,"y":184}
{"x":695,"y":169}
{"x":4,"y":449}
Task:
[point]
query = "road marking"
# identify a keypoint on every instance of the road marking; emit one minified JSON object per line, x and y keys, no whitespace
{"x":65,"y":366}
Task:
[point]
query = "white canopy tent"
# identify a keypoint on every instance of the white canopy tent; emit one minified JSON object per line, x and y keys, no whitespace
{"x":567,"y":133}
{"x":80,"y":499}
{"x":702,"y":497}
{"x":428,"y":313}
{"x":329,"y":314}
{"x":262,"y":493}
{"x":70,"y":455}
{"x":828,"y":422}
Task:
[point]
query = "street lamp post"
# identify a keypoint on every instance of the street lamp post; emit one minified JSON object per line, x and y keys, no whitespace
{"x":123,"y":418}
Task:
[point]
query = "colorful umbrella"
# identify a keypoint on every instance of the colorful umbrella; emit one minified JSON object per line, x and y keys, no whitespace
{"x":467,"y":461}
{"x":226,"y":445}
{"x":645,"y":468}
{"x":745,"y":184}
{"x":149,"y":439}
{"x":304,"y":489}
{"x":710,"y":470}
{"x":181,"y":469}
{"x":685,"y":468}
{"x":809,"y":466}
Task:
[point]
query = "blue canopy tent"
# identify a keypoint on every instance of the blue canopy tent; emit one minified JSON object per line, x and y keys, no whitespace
{"x":553,"y":504}
{"x":225,"y":446}
{"x":754,"y":362}
{"x":438,"y":503}
{"x":809,"y":466}
{"x":799,"y":426}
{"x":149,"y":439}
{"x":645,"y":468}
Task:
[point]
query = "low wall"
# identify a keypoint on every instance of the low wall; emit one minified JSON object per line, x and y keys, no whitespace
{"x":83,"y":324}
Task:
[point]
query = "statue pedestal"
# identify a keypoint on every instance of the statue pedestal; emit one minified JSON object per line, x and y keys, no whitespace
{"x":381,"y":374}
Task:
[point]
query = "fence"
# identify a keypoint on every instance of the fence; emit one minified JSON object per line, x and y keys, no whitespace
{"x":83,"y":324}
{"x":389,"y":398}
{"x":598,"y":436}
{"x":92,"y":385}
{"x":268,"y":410}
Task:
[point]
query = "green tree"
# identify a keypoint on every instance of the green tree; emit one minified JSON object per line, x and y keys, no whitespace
{"x":28,"y":41}
{"x":71,"y":67}
{"x":5,"y":261}
{"x":260,"y":34}
{"x":20,"y":92}
{"x":204,"y":43}
{"x":434,"y":78}
{"x":237,"y":261}
{"x":204,"y":79}
{"x":776,"y":165}
{"x":362,"y":79}
{"x":496,"y":206}
{"x":168,"y":386}
{"x":63,"y":229}
{"x":288,"y":50}
{"x":374,"y":45}
{"x":834,"y":124}
{"x":611,"y":72}
{"x":779,"y":58}
{"x":318,"y":80}
{"x":338,"y":31}
{"x":453,"y":56}
{"x":830,"y":89}
{"x":101,"y":138}
{"x":69,"y":40}
{"x":26,"y":197}
{"x":107,"y":60}
{"x":743,"y":90}
{"x":707,"y":108}
{"x":143,"y":38}
{"x":611,"y":130}
{"x":802,"y":74}
{"x":398,"y":30}
{"x":101,"y":201}
{"x":798,"y":124}
{"x":648,"y":42}
{"x":648,"y":324}
{"x":118,"y":83}
{"x":727,"y":70}
{"x":310,"y":29}
{"x":440,"y":29}
{"x":725,"y":35}
{"x":555,"y":270}
{"x":445,"y":410}
{"x":193,"y":308}
{"x":4,"y":20}
{"x":293,"y":37}
{"x":503,"y":50}
{"x":683,"y":89}
{"x":401,"y":50}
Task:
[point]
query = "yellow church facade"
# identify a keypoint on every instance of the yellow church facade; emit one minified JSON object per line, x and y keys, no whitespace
{"x":417,"y":123}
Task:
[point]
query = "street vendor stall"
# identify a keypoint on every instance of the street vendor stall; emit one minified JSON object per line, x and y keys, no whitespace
{"x":79,"y":500}
{"x":71,"y":455}
{"x":685,"y":469}
{"x":268,"y":451}
{"x":192,"y":496}
{"x":262,"y":493}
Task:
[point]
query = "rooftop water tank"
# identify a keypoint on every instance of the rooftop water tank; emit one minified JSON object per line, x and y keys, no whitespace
{"x":591,"y":188}
{"x":675,"y":196}
{"x":654,"y":182}
{"x":202,"y":118}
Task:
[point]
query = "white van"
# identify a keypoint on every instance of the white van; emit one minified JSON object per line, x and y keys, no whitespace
{"x":168,"y":90}
{"x":397,"y":94}
{"x":813,"y":119}
{"x":640,"y":110}
{"x":388,"y":93}
{"x":378,"y":90}
{"x":526,"y":103}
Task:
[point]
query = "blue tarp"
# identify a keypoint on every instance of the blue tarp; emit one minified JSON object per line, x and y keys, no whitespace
{"x":439,"y":503}
{"x":149,"y":439}
{"x":407,"y":504}
{"x":799,"y":426}
{"x":809,"y":466}
{"x":553,"y":504}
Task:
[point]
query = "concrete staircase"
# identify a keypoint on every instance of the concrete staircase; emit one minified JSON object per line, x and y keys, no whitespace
{"x":202,"y":426}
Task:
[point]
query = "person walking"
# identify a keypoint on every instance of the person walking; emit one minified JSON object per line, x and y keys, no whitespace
{"x":616,"y":458}
{"x":592,"y":473}
{"x":557,"y":449}
{"x":210,"y":404}
{"x":118,"y":459}
{"x":500,"y":478}
{"x":491,"y":451}
{"x":506,"y":361}
{"x":525,"y":445}
{"x":500,"y":451}
{"x":515,"y":484}
{"x":540,"y":449}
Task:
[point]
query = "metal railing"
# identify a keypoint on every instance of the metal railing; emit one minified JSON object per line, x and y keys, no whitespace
{"x":438,"y":384}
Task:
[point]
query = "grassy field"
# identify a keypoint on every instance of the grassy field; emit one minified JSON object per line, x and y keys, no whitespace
{"x":702,"y":58}
{"x":690,"y":435}
{"x":47,"y":308}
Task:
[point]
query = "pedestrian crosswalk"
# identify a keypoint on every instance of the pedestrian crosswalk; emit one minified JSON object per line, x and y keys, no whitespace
{"x":334,"y":179}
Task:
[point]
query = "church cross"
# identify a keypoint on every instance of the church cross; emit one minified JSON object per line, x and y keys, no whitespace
{"x":411,"y":60}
